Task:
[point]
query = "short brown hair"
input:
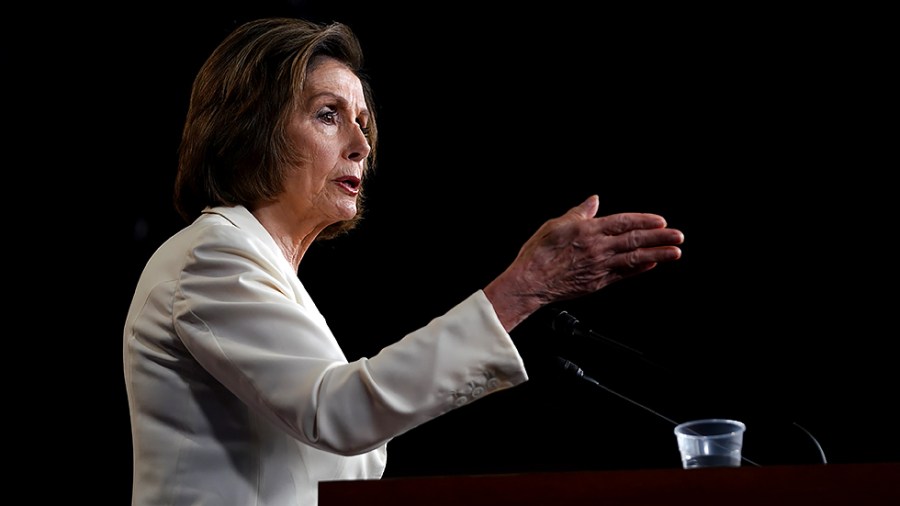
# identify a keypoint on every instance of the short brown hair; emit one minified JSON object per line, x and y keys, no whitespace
{"x":234,"y":148}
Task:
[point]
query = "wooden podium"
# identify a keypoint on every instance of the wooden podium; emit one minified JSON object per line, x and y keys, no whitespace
{"x":826,"y":484}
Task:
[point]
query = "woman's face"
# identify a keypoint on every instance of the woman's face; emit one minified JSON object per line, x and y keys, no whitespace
{"x":328,"y":130}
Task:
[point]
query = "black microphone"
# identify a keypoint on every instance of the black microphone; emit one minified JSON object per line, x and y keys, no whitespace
{"x":567,"y":324}
{"x":572,"y":368}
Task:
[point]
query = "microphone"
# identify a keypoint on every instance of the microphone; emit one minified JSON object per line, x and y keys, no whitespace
{"x":567,"y":324}
{"x":572,"y":368}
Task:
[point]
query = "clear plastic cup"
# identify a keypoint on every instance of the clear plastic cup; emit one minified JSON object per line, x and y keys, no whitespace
{"x":712,"y":442}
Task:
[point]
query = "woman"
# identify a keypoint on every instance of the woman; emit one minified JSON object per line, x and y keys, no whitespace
{"x":238,"y":391}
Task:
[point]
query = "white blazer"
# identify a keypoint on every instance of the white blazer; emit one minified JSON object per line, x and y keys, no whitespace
{"x":239,"y":393}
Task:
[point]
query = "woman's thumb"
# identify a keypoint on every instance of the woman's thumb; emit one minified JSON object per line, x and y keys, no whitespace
{"x":588,"y":208}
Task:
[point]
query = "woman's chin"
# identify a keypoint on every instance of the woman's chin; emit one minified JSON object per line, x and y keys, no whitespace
{"x":345,"y":211}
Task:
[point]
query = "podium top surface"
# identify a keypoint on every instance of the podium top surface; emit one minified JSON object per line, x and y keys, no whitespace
{"x":826,"y":484}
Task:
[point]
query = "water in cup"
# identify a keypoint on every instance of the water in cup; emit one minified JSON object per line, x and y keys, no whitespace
{"x":692,"y":461}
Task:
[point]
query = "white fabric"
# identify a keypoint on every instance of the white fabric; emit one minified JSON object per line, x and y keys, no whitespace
{"x":240,"y":394}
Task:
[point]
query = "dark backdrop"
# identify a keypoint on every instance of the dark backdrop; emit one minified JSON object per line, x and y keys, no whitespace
{"x":754,"y":132}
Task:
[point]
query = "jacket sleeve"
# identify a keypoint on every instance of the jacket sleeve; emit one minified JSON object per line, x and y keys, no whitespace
{"x":236,"y":312}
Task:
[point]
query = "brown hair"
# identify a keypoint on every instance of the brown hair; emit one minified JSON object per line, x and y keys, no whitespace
{"x":234,"y":149}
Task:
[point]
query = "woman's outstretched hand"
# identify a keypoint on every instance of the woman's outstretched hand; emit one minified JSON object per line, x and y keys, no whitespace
{"x":577,"y":254}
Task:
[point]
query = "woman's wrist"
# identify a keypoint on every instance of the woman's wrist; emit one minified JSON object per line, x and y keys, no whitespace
{"x":511,"y":302}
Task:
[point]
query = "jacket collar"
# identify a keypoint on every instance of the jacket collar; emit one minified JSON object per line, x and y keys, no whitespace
{"x":242,"y":218}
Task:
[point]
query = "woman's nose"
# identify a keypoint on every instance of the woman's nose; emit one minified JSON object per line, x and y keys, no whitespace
{"x":358,"y":148}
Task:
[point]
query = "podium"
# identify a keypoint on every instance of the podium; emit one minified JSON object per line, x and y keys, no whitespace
{"x":825,"y":484}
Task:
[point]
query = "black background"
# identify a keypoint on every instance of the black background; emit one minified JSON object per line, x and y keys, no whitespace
{"x":761,"y":134}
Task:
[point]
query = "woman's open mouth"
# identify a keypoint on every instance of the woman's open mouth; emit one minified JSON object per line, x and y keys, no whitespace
{"x":350,"y":184}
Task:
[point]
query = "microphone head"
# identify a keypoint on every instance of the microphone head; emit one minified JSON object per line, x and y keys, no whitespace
{"x":564,"y":322}
{"x":569,"y":367}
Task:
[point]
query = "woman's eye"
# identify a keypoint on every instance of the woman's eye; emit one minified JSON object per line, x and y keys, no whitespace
{"x":328,"y":116}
